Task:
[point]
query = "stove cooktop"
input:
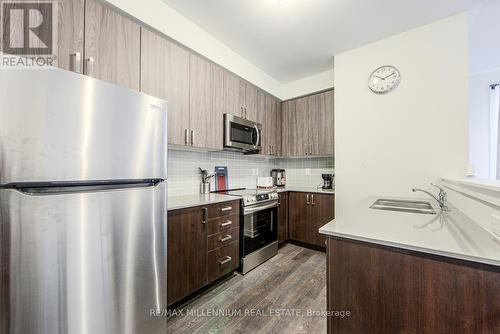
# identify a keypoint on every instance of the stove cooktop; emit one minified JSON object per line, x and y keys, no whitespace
{"x":254,"y":196}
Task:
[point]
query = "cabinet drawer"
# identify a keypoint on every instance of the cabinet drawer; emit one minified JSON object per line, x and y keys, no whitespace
{"x":224,"y":209}
{"x":223,"y":238}
{"x":223,"y":224}
{"x":223,"y":260}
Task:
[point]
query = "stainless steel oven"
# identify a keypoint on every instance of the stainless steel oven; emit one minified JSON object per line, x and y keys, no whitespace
{"x":258,"y":226}
{"x":242,"y":135}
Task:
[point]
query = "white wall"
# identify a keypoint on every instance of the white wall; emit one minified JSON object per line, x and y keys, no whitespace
{"x":388,"y":144}
{"x":165,"y":19}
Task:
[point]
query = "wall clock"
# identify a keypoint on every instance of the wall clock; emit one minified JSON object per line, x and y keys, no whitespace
{"x":384,"y":79}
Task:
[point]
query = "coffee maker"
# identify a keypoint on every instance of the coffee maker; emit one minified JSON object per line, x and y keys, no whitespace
{"x":279,"y":177}
{"x":327,"y":181}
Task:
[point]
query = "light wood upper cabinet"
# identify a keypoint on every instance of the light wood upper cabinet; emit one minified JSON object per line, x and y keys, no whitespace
{"x":322,"y":118}
{"x":70,"y":29}
{"x":279,"y":128}
{"x":233,"y":95}
{"x":296,"y":126}
{"x":270,"y":126}
{"x":165,"y":74}
{"x":308,"y":127}
{"x":70,"y":35}
{"x":251,"y":102}
{"x":218,"y":106}
{"x":113,"y":42}
{"x":206,"y":121}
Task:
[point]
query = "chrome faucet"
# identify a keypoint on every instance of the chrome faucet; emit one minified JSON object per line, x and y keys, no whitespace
{"x":441,"y":199}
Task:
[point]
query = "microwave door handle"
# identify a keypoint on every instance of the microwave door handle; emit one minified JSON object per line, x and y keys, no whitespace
{"x":258,"y":135}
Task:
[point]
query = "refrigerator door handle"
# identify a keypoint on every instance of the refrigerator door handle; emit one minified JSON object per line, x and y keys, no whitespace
{"x":44,"y":188}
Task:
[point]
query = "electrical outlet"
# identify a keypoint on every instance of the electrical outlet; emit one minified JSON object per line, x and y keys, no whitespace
{"x":495,"y":224}
{"x":308,"y":171}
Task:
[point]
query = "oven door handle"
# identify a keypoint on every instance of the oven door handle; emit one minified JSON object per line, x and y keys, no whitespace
{"x":256,"y":208}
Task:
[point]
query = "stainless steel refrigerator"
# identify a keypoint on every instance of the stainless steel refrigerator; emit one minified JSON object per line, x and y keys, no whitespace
{"x":83,"y":206}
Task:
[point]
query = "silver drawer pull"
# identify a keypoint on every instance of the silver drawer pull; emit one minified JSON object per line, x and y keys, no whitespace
{"x":226,"y":238}
{"x":228,"y":223}
{"x":226,"y":260}
{"x":227,"y":208}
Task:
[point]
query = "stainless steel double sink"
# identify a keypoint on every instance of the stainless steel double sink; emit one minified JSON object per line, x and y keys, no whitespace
{"x":403,"y":206}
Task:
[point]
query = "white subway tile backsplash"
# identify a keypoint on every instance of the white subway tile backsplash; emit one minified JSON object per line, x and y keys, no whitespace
{"x":184,"y":178}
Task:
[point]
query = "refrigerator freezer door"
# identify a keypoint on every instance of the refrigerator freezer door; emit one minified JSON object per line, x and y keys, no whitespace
{"x":90,"y":262}
{"x":56,"y":125}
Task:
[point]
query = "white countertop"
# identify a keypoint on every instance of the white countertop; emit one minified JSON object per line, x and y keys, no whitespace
{"x":450,"y":234}
{"x":188,"y":201}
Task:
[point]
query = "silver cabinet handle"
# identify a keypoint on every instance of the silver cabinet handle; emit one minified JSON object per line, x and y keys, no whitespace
{"x":226,"y":260}
{"x":89,"y":62}
{"x":192,"y":137}
{"x":227,"y":208}
{"x":186,"y":140}
{"x":228,"y":223}
{"x":76,"y":62}
{"x":312,"y":199}
{"x":205,"y":215}
{"x":307,"y":200}
{"x":226,"y":238}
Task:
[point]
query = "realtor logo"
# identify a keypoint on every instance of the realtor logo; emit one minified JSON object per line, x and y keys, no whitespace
{"x":28,"y":31}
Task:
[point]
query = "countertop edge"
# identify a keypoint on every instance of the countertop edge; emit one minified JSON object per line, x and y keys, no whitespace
{"x":193,"y":205}
{"x":423,"y":250}
{"x":226,"y":198}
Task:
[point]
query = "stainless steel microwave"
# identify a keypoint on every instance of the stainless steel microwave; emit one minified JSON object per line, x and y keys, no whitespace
{"x":242,"y":135}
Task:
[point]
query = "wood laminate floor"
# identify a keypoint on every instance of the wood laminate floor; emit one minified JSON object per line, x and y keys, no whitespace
{"x":276,"y":297}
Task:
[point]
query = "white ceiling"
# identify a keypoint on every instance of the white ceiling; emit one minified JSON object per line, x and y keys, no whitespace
{"x":293,"y":39}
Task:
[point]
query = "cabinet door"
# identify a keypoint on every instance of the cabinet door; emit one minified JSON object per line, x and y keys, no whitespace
{"x":279,"y":128}
{"x":70,"y":27}
{"x":70,"y":34}
{"x":233,"y":102}
{"x":296,"y":127}
{"x":298,"y":217}
{"x":263,"y":117}
{"x":251,"y":102}
{"x":165,"y":74}
{"x":283,"y":218}
{"x":113,"y":41}
{"x":205,"y":126}
{"x":322,"y":211}
{"x":187,"y":253}
{"x":322,"y":118}
{"x":269,"y":125}
{"x":218,"y":104}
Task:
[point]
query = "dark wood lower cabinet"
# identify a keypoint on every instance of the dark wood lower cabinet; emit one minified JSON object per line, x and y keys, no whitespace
{"x":307,"y":213}
{"x":283,"y":218}
{"x":223,"y":261}
{"x":186,"y":253}
{"x":390,"y":290}
{"x":203,"y":245}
